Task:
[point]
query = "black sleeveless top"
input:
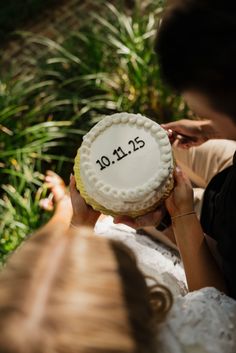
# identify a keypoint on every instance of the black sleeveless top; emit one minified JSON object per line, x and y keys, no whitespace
{"x":218,"y":220}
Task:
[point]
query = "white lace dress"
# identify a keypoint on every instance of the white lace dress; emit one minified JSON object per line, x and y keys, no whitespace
{"x":199,"y":322}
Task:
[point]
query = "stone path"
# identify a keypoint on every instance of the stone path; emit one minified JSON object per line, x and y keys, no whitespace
{"x":52,"y":24}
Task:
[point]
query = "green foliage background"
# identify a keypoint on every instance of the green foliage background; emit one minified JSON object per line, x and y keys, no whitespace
{"x":14,"y":13}
{"x":107,"y":66}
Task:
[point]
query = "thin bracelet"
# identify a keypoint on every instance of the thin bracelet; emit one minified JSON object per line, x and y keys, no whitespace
{"x":183,"y":214}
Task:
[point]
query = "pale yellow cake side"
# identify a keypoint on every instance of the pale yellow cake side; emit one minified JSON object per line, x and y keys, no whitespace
{"x":96,"y":206}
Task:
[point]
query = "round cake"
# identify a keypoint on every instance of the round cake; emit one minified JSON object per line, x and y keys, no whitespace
{"x":125,"y":165}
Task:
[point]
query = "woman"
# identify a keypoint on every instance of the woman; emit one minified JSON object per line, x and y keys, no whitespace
{"x":196,"y":48}
{"x":66,"y":290}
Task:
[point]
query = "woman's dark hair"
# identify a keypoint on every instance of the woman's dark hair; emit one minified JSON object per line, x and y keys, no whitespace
{"x":196,"y":47}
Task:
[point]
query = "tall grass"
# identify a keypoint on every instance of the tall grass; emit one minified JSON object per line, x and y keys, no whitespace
{"x":107,"y":66}
{"x":30,"y":142}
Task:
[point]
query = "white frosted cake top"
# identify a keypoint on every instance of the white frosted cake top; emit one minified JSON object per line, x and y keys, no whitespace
{"x":125,"y":158}
{"x":119,"y":152}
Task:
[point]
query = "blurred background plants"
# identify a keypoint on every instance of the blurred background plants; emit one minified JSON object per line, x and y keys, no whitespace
{"x":14,"y":13}
{"x":107,"y":66}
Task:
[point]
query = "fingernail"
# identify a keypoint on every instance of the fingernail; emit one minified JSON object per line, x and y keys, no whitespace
{"x":178,"y":169}
{"x":71,"y":175}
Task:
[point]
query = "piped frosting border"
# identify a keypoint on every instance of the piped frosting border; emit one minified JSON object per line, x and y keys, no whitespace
{"x":98,"y":207}
{"x":105,"y":191}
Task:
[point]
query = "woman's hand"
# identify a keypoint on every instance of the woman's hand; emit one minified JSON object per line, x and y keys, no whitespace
{"x":200,"y":266}
{"x":83,"y":214}
{"x":149,"y":219}
{"x":180,"y":200}
{"x":188,"y":133}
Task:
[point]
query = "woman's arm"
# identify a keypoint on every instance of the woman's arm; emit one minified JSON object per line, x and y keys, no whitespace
{"x":200,"y":266}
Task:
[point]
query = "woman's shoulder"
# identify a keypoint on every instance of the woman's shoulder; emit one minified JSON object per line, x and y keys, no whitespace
{"x":202,"y":322}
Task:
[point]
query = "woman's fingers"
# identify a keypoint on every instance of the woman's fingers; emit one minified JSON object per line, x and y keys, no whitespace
{"x":72,"y":186}
{"x":75,"y":195}
{"x":149,"y":219}
{"x":46,"y":204}
{"x":128,"y":221}
{"x":72,"y":180}
{"x":181,"y":177}
{"x":79,"y":204}
{"x":178,"y":175}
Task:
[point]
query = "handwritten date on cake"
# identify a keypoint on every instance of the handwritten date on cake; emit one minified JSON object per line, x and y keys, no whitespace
{"x":136,"y":144}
